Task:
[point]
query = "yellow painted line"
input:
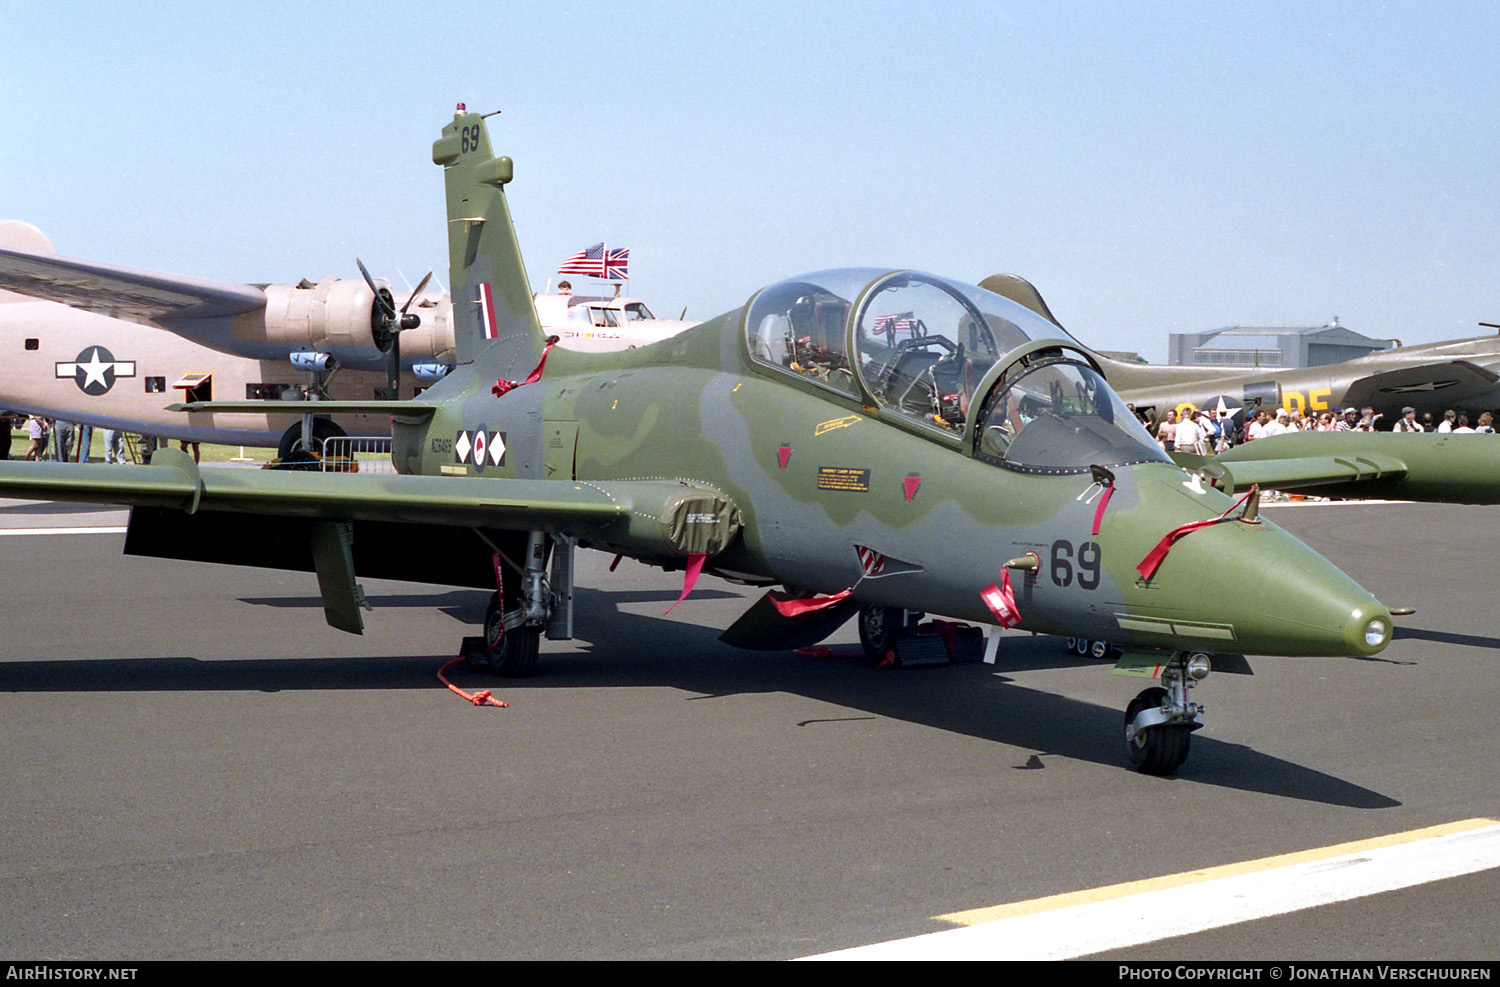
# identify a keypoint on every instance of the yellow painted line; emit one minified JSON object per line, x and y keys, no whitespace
{"x":1036,"y":906}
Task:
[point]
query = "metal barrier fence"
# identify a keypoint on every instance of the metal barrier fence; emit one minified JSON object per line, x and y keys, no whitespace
{"x":357,"y":454}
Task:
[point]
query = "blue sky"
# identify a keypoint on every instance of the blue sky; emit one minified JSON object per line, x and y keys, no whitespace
{"x":1151,"y":167}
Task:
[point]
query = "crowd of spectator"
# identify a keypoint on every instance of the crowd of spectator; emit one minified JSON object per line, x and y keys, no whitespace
{"x":1209,"y":433}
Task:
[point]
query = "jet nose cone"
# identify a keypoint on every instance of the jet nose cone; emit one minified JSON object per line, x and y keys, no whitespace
{"x":1368,"y":629}
{"x":1291,"y":600}
{"x":1206,"y":576}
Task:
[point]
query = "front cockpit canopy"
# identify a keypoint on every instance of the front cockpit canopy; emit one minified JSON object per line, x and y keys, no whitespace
{"x":1055,"y":414}
{"x":920,"y":347}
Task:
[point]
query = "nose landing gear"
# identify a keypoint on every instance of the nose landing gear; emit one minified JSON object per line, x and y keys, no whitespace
{"x":1159,"y":723}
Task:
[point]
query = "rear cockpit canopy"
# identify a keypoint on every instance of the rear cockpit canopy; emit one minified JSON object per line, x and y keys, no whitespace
{"x":921,"y":348}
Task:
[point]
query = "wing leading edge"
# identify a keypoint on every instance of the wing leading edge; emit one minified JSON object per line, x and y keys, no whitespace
{"x":122,"y":291}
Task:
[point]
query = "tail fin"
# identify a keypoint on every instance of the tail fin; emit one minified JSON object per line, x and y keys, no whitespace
{"x":491,"y":294}
{"x":18,"y":235}
{"x":1019,"y":290}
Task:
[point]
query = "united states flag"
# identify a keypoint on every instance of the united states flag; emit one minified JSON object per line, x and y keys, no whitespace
{"x":891,"y":325}
{"x":599,"y":262}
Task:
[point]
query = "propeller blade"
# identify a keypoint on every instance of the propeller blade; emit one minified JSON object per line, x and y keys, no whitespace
{"x":417,"y":291}
{"x":387,"y":306}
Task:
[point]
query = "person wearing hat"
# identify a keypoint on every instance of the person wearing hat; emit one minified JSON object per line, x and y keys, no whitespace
{"x":1408,"y":422}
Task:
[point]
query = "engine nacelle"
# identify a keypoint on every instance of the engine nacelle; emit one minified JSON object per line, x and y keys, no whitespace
{"x":339,"y":317}
{"x":432,"y":341}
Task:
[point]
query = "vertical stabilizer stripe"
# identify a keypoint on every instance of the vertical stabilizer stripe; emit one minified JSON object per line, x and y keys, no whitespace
{"x":487,"y":309}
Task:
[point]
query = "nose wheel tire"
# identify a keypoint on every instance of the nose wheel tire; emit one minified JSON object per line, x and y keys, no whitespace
{"x":1157,"y":750}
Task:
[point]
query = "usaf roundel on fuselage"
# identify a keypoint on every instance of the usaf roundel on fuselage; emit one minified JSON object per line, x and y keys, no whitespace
{"x":96,"y":370}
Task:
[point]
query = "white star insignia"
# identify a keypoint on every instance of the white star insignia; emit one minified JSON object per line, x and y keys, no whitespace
{"x":93,"y":371}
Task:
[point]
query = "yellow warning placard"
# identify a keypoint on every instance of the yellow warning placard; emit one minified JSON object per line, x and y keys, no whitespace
{"x":843,"y":478}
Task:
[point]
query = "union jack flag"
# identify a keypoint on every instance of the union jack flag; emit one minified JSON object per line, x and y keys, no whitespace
{"x":599,"y":262}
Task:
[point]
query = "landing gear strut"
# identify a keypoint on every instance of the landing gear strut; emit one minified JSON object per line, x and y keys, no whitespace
{"x":510,"y":652}
{"x":1159,"y":723}
{"x":513,"y":625}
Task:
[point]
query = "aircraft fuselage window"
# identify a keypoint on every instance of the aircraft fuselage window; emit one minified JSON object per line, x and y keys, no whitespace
{"x":270,"y":392}
{"x":637,"y":312}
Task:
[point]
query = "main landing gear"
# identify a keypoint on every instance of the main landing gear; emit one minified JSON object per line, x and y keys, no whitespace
{"x":1159,"y":723}
{"x":301,"y":445}
{"x":531,"y":603}
{"x":895,"y":637}
{"x":508,"y":651}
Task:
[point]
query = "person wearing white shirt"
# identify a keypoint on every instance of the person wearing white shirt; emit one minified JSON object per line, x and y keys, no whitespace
{"x":1408,"y":421}
{"x":1188,"y":435}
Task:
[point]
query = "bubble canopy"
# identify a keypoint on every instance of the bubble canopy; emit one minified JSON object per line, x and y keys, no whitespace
{"x":919,"y":347}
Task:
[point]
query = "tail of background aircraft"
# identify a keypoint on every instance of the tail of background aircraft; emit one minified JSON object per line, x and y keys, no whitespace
{"x":1122,"y":376}
{"x":18,"y":235}
{"x":492,"y":306}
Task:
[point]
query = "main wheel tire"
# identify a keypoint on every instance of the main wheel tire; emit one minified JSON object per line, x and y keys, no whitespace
{"x":878,"y":627}
{"x":514,"y":654}
{"x":298,"y":459}
{"x":1155,"y":750}
{"x":291,"y":440}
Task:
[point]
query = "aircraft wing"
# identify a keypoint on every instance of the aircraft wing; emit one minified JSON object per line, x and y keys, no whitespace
{"x":433,"y":529}
{"x":403,"y":410}
{"x":173,"y":480}
{"x":1445,"y":468}
{"x":1300,"y":473}
{"x":122,"y":292}
{"x":1457,"y":380}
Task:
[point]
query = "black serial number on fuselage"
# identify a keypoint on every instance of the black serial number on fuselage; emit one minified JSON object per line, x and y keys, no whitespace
{"x":1069,"y":563}
{"x":470,"y":138}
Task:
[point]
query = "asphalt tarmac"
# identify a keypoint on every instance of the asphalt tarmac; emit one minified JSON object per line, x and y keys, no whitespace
{"x":197,"y":767}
